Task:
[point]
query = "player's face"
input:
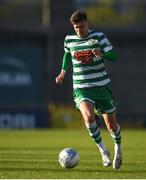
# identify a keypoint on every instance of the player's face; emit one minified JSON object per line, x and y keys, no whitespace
{"x":81,"y":28}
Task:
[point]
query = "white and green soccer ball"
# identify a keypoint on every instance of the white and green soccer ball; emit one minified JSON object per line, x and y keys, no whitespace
{"x":69,"y":158}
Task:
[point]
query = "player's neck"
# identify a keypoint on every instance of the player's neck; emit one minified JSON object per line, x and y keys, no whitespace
{"x":84,"y":35}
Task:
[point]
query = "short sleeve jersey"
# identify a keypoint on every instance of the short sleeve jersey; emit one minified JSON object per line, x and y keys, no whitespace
{"x":88,"y":69}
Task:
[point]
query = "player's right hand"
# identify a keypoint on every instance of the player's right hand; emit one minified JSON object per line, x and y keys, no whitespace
{"x":59,"y":79}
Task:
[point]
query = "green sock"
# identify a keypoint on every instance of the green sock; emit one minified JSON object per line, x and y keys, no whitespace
{"x":94,"y":132}
{"x":116,"y":136}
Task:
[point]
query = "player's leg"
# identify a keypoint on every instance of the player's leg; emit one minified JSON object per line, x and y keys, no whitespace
{"x":107,"y":107}
{"x":87,"y":111}
{"x":115,"y":132}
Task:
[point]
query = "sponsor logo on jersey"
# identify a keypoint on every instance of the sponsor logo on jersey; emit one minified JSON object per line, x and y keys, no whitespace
{"x":85,"y":56}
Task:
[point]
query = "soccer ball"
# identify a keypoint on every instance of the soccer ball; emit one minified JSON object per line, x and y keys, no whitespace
{"x":68,"y":158}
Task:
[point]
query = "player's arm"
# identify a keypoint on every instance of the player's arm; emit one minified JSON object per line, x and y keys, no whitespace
{"x":65,"y":65}
{"x":108,"y":51}
{"x":110,"y":55}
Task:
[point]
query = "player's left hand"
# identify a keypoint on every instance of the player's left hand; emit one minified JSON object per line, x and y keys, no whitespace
{"x":97,"y":53}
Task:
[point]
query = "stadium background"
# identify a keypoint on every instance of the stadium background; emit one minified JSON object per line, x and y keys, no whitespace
{"x":31,"y":49}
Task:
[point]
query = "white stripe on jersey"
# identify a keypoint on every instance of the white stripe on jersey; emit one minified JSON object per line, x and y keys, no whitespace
{"x":89,"y":76}
{"x":75,"y":61}
{"x":68,"y":37}
{"x":86,"y":85}
{"x":82,"y":43}
{"x":108,"y":48}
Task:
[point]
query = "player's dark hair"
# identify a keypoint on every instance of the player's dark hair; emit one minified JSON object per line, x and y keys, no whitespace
{"x":78,"y":16}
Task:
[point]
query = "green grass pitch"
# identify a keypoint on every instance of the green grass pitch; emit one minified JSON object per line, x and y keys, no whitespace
{"x":33,"y":154}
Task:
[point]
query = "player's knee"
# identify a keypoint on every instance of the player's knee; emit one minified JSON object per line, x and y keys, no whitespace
{"x":88,"y":118}
{"x":112,"y":128}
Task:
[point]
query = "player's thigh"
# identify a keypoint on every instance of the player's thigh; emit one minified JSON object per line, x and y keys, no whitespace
{"x":87,"y":111}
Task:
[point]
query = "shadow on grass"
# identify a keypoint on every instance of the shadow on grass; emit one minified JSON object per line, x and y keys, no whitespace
{"x":71,"y":170}
{"x":40,"y":148}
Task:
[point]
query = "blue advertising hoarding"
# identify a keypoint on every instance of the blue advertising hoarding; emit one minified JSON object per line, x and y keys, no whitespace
{"x":22,"y":86}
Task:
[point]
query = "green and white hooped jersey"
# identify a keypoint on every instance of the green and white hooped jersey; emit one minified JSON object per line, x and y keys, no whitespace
{"x":88,"y":70}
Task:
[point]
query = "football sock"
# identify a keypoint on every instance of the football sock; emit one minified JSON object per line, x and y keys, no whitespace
{"x":116,"y":136}
{"x":94,"y":132}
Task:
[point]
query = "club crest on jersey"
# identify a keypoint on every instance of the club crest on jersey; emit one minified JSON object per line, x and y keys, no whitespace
{"x":92,"y":41}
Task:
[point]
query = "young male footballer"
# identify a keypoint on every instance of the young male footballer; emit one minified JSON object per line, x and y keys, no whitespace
{"x":87,"y":50}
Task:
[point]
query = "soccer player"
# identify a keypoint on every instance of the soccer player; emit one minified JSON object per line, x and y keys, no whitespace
{"x":87,"y":50}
